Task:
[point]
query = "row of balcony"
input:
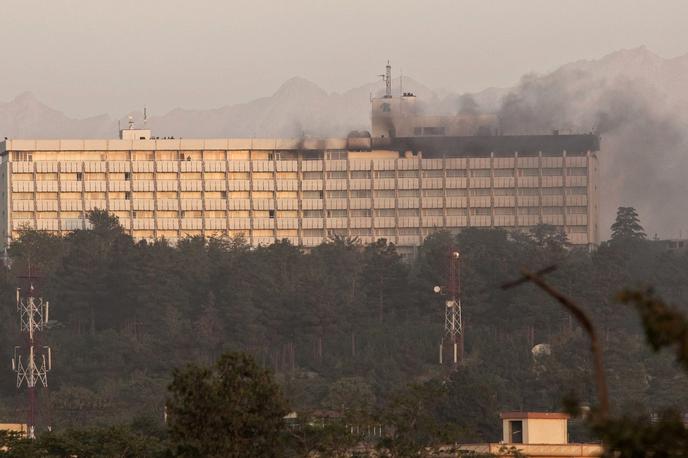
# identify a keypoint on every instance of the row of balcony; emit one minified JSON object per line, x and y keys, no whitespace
{"x":292,"y":166}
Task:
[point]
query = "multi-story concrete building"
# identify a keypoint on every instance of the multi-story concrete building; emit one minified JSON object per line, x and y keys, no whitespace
{"x":304,"y":190}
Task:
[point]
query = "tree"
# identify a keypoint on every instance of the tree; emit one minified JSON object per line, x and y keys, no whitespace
{"x":627,"y":225}
{"x":232,"y":409}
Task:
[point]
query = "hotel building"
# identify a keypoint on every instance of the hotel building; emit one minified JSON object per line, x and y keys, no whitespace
{"x":400,"y":188}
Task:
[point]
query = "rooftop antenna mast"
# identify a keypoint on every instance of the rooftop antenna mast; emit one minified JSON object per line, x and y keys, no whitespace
{"x":388,"y":81}
{"x":387,"y":78}
{"x":452,"y":339}
{"x":145,"y":116}
{"x":32,"y":368}
{"x":131,"y":122}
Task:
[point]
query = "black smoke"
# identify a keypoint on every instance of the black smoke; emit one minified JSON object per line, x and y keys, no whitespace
{"x":644,"y":154}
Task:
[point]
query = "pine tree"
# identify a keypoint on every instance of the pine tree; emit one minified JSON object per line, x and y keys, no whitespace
{"x":627,"y":225}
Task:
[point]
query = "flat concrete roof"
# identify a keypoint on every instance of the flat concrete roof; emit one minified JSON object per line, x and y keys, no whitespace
{"x":534,"y":415}
{"x":579,"y":143}
{"x":429,"y":146}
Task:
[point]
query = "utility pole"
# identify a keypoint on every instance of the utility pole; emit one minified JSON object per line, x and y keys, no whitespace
{"x":452,"y":339}
{"x":32,"y":367}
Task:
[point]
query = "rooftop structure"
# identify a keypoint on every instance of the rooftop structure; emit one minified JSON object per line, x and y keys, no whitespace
{"x":535,"y":434}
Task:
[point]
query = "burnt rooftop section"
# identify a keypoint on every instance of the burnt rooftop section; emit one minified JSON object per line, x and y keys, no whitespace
{"x":484,"y":145}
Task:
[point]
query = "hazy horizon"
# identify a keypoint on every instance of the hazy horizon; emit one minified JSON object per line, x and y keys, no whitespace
{"x":208,"y":54}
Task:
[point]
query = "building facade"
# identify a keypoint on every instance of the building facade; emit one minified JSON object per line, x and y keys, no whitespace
{"x":303,"y":190}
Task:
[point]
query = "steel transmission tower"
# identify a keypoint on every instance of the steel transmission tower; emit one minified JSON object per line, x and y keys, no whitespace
{"x":452,"y":339}
{"x":33,"y":365}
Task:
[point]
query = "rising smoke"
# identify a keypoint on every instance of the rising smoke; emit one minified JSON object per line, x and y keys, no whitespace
{"x":644,"y":156}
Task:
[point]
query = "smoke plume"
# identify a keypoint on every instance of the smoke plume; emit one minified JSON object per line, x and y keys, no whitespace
{"x":643,"y":157}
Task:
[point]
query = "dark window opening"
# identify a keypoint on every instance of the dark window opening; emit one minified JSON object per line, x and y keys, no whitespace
{"x":127,"y":176}
{"x":127,"y":195}
{"x":516,"y":431}
{"x":271,"y":213}
{"x":79,"y":176}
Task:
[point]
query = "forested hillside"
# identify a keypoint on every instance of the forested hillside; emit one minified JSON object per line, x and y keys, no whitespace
{"x":341,"y":325}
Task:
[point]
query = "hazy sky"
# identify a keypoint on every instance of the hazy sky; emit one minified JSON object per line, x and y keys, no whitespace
{"x":95,"y":56}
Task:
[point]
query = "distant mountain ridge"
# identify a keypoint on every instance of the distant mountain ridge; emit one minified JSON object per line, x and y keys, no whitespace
{"x":637,"y":101}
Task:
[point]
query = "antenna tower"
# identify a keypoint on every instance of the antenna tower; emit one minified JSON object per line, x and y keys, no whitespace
{"x":33,"y":366}
{"x":387,"y":78}
{"x":452,"y":339}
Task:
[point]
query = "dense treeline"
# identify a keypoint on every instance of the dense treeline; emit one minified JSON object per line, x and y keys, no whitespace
{"x":341,"y":326}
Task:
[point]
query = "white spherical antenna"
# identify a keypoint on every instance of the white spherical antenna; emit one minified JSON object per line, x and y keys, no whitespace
{"x":437,"y":289}
{"x":455,"y":255}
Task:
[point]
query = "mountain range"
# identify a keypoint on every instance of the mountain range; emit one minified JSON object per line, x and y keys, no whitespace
{"x":637,"y":101}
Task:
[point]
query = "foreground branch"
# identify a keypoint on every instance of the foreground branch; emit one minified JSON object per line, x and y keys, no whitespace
{"x":583,"y":319}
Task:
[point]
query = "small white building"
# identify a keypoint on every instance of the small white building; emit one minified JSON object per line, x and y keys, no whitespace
{"x":535,"y":434}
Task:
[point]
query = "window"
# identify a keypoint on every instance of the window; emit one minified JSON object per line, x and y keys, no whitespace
{"x":223,"y":194}
{"x":481,"y":211}
{"x":528,"y":192}
{"x":79,"y":176}
{"x":22,"y":156}
{"x":456,"y":192}
{"x":577,"y":210}
{"x":312,"y":194}
{"x":480,"y":192}
{"x":577,"y":171}
{"x":549,"y":172}
{"x":552,"y":191}
{"x":577,"y":191}
{"x":504,"y":191}
{"x":504,"y":211}
{"x":336,"y":155}
{"x":528,"y":172}
{"x":417,"y":131}
{"x":385,"y":212}
{"x":271,"y":213}
{"x":480,"y":173}
{"x":312,"y":232}
{"x":385,"y":174}
{"x":336,"y":175}
{"x":433,"y":212}
{"x":456,"y":212}
{"x":408,"y":212}
{"x":516,"y":431}
{"x":127,"y":195}
{"x":528,"y":210}
{"x":385,"y":107}
{"x":360,"y":174}
{"x":360,"y":193}
{"x":312,"y":175}
{"x":408,"y":193}
{"x":337,"y":194}
{"x":456,"y":172}
{"x":433,"y":192}
{"x":127,"y":176}
{"x":361,"y":213}
{"x":408,"y":173}
{"x":552,"y":210}
{"x":503,"y":172}
{"x":336,"y":213}
{"x":433,"y":173}
{"x":312,"y":214}
{"x":389,"y":193}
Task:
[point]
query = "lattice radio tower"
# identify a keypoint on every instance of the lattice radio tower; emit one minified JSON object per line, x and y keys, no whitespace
{"x":452,"y":339}
{"x":33,"y":365}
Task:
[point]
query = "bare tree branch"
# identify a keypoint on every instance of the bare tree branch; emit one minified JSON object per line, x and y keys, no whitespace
{"x":583,"y":319}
